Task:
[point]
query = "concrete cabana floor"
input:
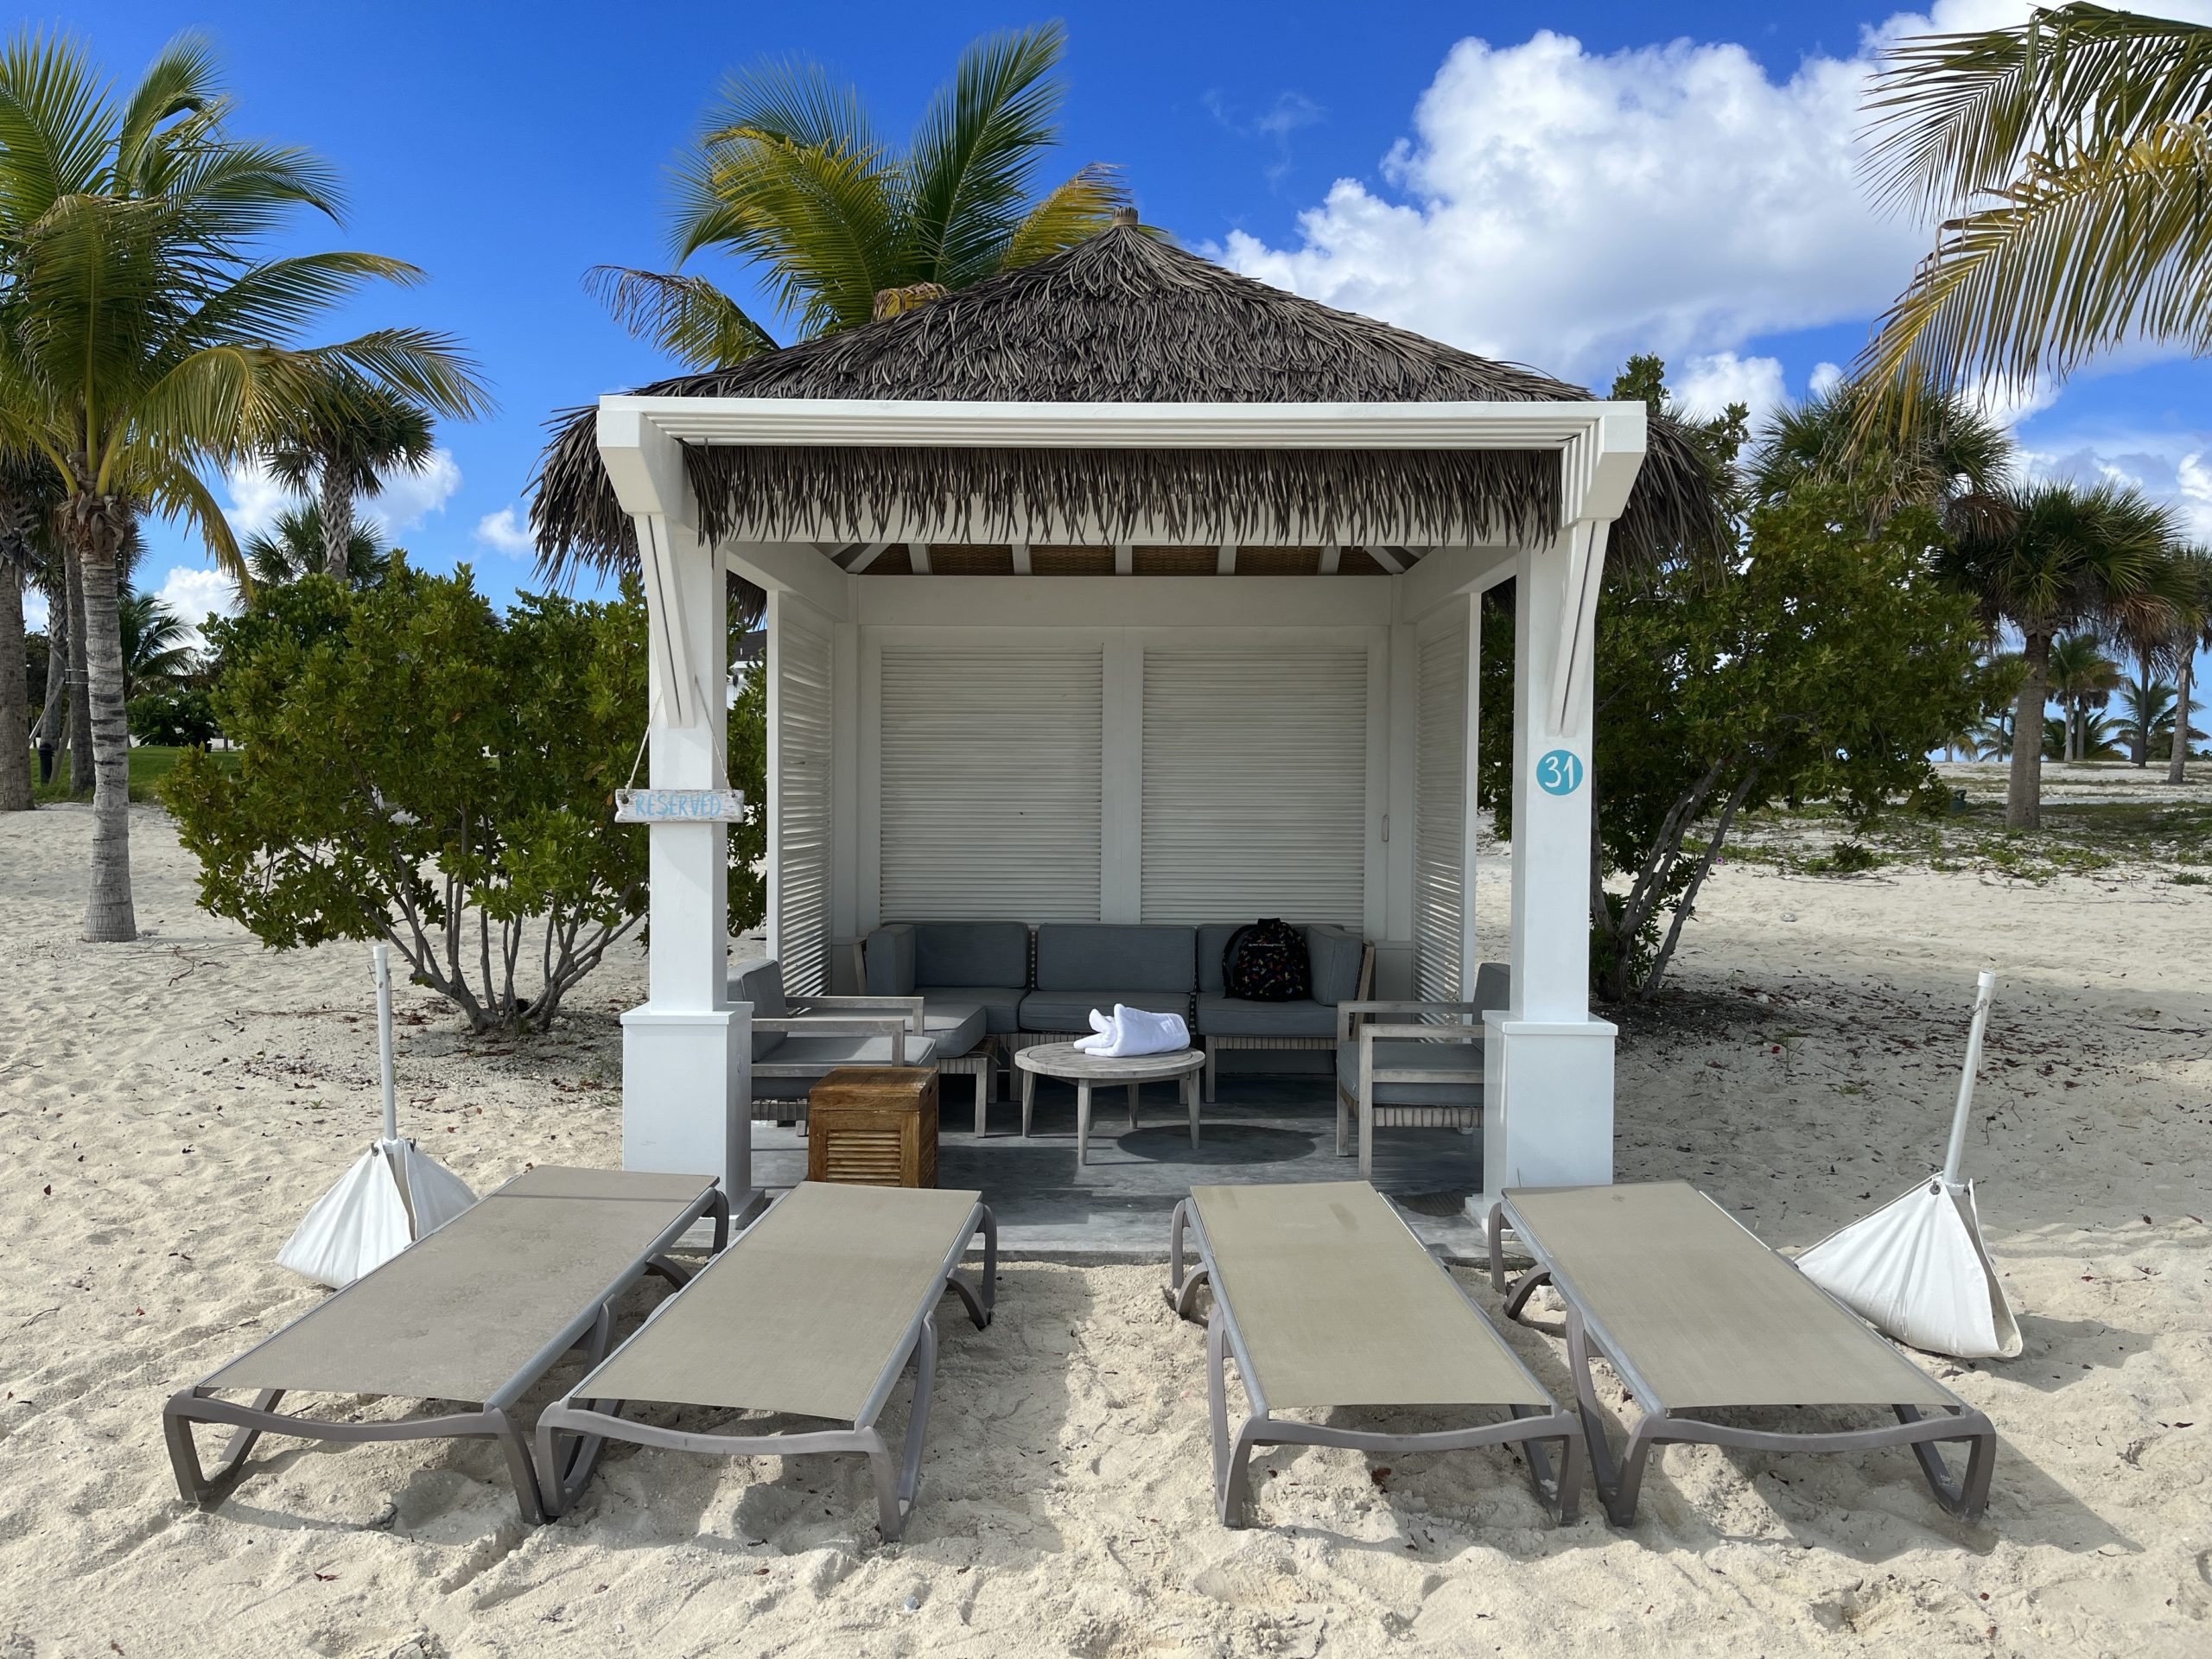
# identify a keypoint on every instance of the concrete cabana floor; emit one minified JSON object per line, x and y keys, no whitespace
{"x":1116,"y":1207}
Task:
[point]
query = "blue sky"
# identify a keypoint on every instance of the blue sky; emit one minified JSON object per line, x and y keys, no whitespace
{"x":1558,"y":183}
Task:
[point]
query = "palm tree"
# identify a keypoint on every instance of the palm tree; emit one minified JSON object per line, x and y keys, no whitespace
{"x":2146,"y":716}
{"x":789,"y":173}
{"x":2193,"y":584}
{"x":2056,"y":557}
{"x":2080,"y":676}
{"x":141,"y":341}
{"x":2067,"y":159}
{"x":1952,"y":457}
{"x":343,"y":448}
{"x":295,"y":546}
{"x":156,"y":643}
{"x":26,"y":500}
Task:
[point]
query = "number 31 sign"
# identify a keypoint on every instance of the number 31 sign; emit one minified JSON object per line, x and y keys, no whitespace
{"x":1558,"y":771}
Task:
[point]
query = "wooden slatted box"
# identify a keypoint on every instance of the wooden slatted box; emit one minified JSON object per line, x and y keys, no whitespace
{"x":873,"y":1125}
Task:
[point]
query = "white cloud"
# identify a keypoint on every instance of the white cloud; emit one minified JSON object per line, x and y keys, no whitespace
{"x":1565,"y":208}
{"x":2171,"y":467}
{"x":256,"y":497}
{"x":1825,"y":378}
{"x":1707,"y":385}
{"x":193,"y":595}
{"x":504,"y":531}
{"x":407,"y":499}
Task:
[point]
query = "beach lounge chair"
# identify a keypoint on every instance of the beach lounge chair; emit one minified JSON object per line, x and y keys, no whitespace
{"x":1326,"y":1298}
{"x":478,"y":1311}
{"x":813,"y":1312}
{"x":1697,"y":1315}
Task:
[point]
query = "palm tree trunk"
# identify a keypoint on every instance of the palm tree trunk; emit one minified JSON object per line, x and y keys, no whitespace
{"x":337,"y":519}
{"x":14,"y":696}
{"x":56,"y":709}
{"x":2177,"y":759}
{"x":2024,"y":787}
{"x":80,"y":707}
{"x":2139,"y":740}
{"x":97,"y":523}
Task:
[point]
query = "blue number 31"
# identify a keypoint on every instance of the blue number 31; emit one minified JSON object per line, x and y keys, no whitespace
{"x":1559,"y":772}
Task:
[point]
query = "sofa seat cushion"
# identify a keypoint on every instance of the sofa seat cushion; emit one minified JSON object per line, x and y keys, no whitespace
{"x":1075,"y":957}
{"x":1001,"y":1004}
{"x":1391,"y":1052}
{"x":816,"y":1057}
{"x":1235,"y":1016}
{"x":1070,"y":1011}
{"x":955,"y":1024}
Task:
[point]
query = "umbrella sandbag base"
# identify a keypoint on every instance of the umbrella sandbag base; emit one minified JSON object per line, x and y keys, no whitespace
{"x":391,"y":1197}
{"x":1917,"y":1270}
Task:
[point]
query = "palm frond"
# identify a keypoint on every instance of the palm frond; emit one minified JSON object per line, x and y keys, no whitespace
{"x":969,"y":162}
{"x":182,"y":80}
{"x":1071,"y":213}
{"x":54,"y":120}
{"x":688,"y":317}
{"x":825,"y":222}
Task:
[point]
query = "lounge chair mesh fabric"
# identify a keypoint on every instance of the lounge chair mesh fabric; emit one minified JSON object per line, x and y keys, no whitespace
{"x":458,"y":1314}
{"x":805,"y":1313}
{"x":1292,"y":1258}
{"x":1709,"y":1315}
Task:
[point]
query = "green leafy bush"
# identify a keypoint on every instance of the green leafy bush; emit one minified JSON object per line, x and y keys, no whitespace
{"x":421,"y":769}
{"x":177,"y":717}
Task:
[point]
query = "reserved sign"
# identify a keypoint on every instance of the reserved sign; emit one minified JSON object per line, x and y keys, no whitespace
{"x":678,"y":805}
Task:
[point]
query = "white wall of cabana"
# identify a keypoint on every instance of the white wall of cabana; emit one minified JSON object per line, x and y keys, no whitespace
{"x":1222,"y":743}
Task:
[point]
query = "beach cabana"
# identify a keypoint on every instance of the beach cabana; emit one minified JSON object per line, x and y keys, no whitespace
{"x":1120,"y":588}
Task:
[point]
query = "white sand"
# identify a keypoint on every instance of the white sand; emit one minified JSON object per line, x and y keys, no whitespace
{"x":171,"y":1107}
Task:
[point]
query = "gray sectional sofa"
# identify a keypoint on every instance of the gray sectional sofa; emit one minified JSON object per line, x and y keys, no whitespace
{"x":1042,"y":996}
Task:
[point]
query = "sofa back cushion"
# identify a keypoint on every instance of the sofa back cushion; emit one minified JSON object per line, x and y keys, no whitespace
{"x":1213,"y":939}
{"x":1103,"y":955}
{"x":971,"y":953}
{"x":888,"y":958}
{"x":1493,"y":986}
{"x":1336,"y":954}
{"x":760,"y":981}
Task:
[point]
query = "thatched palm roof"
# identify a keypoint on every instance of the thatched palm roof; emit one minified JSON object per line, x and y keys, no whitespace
{"x":1121,"y":318}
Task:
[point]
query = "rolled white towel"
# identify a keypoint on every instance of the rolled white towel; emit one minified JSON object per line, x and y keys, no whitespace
{"x":1139,"y":1031}
{"x":1105,"y":1032}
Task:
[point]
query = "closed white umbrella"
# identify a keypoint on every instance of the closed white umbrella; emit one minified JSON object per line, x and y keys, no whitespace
{"x":1917,"y":1268}
{"x":390,"y":1198}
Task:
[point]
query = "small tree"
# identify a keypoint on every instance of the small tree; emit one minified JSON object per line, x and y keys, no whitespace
{"x":1826,"y":662}
{"x":419,"y":769}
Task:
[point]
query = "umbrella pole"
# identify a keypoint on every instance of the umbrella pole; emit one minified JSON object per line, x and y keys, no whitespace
{"x":1984,"y":992}
{"x":382,"y":954}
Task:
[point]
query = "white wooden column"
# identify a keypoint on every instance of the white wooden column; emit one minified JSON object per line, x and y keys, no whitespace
{"x":687,"y":1053}
{"x":1547,"y":1097}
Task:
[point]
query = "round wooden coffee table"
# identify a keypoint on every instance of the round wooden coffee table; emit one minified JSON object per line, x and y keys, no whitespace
{"x":1066,"y":1061}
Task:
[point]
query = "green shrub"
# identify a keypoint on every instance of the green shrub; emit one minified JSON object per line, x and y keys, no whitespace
{"x":177,"y":717}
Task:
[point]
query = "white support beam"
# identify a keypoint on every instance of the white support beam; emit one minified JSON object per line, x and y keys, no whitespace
{"x":1125,"y":559}
{"x":1332,"y":555}
{"x":868,"y":555}
{"x":1020,"y":558}
{"x":793,"y":568}
{"x":1392,"y":559}
{"x":1444,"y":573}
{"x":919,"y":554}
{"x":1226,"y":564}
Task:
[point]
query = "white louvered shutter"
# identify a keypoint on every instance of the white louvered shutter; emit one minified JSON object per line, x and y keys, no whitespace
{"x":990,"y":784}
{"x":800,"y":870}
{"x":1254,"y":785}
{"x":1440,"y":815}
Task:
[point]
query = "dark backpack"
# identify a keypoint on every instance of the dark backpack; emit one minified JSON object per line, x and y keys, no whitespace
{"x":1266,"y":961}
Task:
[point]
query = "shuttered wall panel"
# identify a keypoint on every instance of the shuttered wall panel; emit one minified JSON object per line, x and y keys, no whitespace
{"x":1440,"y":815}
{"x":1254,"y":785}
{"x":990,"y":784}
{"x":802,"y":866}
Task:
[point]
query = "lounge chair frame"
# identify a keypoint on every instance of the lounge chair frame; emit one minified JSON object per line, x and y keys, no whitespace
{"x":592,"y":1422}
{"x":493,"y":1419}
{"x":1560,"y":1493}
{"x":1620,"y":1484}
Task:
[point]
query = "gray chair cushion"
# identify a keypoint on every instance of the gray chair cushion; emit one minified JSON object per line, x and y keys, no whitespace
{"x":970,"y":953}
{"x":954,"y":1025}
{"x":1412,"y":1051}
{"x":822,"y":1055}
{"x":888,"y":955}
{"x":1070,"y":1011}
{"x":1493,"y":986}
{"x":1335,"y":954}
{"x":760,"y":981}
{"x":1235,"y":1016}
{"x":1001,"y":1004}
{"x":1072,"y":955}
